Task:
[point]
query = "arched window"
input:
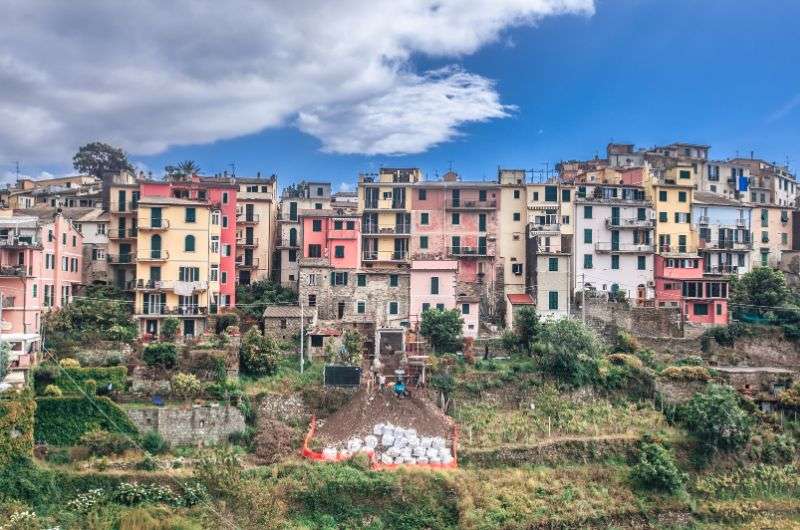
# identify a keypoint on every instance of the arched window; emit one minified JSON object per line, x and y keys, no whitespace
{"x":293,"y":237}
{"x":188,"y":244}
{"x":155,"y":246}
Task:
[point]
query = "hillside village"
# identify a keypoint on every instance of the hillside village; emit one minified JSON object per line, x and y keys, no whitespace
{"x":613,"y":344}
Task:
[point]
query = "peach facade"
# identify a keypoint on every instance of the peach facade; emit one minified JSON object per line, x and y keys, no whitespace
{"x":680,"y":283}
{"x":433,"y":285}
{"x":335,"y":238}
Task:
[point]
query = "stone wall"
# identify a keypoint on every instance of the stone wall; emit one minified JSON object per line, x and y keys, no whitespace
{"x":764,"y":346}
{"x":287,"y":328}
{"x":656,"y":322}
{"x":198,"y":425}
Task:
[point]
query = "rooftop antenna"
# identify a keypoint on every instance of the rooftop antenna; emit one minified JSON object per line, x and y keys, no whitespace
{"x":16,"y":163}
{"x":233,"y":168}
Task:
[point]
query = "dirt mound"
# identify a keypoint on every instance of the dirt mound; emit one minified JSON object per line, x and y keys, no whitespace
{"x":359,"y":416}
{"x":273,"y":441}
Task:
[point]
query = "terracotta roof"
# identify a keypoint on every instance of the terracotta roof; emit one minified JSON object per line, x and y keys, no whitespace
{"x":325,"y":332}
{"x":707,"y":197}
{"x":520,"y":299}
{"x":284,"y":311}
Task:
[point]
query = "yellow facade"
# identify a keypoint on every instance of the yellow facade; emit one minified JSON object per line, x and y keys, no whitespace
{"x":177,"y":265}
{"x":123,"y":196}
{"x":385,"y":203}
{"x":671,"y":195}
{"x":512,"y":226}
{"x":256,"y":208}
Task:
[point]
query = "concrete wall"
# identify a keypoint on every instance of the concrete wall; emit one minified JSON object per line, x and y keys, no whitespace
{"x":198,"y":425}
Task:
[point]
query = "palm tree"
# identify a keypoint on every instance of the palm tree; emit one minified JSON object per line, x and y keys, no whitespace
{"x":189,"y":167}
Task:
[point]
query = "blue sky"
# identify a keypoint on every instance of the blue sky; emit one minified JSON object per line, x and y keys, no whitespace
{"x":645,"y":71}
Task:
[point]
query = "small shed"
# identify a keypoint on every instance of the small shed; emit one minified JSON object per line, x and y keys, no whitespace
{"x":515,"y":302}
{"x":283,"y":321}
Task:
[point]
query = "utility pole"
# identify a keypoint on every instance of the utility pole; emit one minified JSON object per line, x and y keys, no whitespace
{"x":302,"y":336}
{"x":583,"y":297}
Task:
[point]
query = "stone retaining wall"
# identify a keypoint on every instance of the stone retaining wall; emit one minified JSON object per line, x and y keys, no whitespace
{"x":196,"y":425}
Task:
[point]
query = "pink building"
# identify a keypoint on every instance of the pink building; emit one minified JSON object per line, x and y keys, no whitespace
{"x":433,"y":285}
{"x":40,"y":268}
{"x":333,"y":236}
{"x":680,"y":283}
{"x":456,"y":220}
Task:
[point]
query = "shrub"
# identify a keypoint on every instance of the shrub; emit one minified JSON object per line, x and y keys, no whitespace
{"x":162,"y":354}
{"x":686,"y":373}
{"x":691,"y":360}
{"x":791,"y":396}
{"x":58,"y":457}
{"x":527,"y":328}
{"x":225,"y":321}
{"x":716,"y":420}
{"x":258,"y":353}
{"x":625,"y":359}
{"x":148,"y":463}
{"x":352,"y":344}
{"x":723,"y":335}
{"x":772,"y":449}
{"x":656,"y":469}
{"x":73,"y":380}
{"x":62,"y":421}
{"x":169,"y":328}
{"x":626,"y":343}
{"x":53,"y":391}
{"x":104,"y":443}
{"x":68,"y":362}
{"x":16,"y":427}
{"x":154,"y":443}
{"x":442,"y":328}
{"x":185,"y":386}
{"x":90,"y":387}
{"x":572,"y":352}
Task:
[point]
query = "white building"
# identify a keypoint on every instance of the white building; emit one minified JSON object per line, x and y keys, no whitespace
{"x":723,"y":233}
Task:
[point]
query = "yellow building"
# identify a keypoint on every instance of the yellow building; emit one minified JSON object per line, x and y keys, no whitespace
{"x":512,"y":223}
{"x":671,"y":194}
{"x":120,"y":200}
{"x":385,"y":203}
{"x":177,"y":264}
{"x":256,"y":212}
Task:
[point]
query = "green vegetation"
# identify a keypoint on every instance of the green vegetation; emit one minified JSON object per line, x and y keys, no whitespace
{"x":62,"y":421}
{"x":252,"y":299}
{"x":103,"y":443}
{"x":74,"y":380}
{"x":16,"y":426}
{"x":4,"y":359}
{"x":161,"y":354}
{"x":571,"y":352}
{"x":99,"y":159}
{"x":526,"y":328}
{"x":442,"y":328}
{"x":716,"y":419}
{"x":259,"y":353}
{"x":352,"y":343}
{"x":185,"y":386}
{"x":656,"y":469}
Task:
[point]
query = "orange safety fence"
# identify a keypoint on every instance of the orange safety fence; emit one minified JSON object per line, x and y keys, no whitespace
{"x":317,"y":456}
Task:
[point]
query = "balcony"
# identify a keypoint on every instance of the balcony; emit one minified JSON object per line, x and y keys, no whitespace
{"x":17,"y":271}
{"x":252,"y":263}
{"x":725,"y":244}
{"x":469,"y":252}
{"x":153,"y":255}
{"x":288,"y":217}
{"x":123,"y":233}
{"x":633,"y":222}
{"x":388,"y":255}
{"x":622,"y":248}
{"x":124,"y":208}
{"x":385,"y":204}
{"x":396,"y":230}
{"x":703,"y":220}
{"x":470,"y":205}
{"x":544,"y":228}
{"x":244,"y":242}
{"x":160,"y":310}
{"x":673,"y":249}
{"x":20,"y":242}
{"x":122,"y":259}
{"x":285,"y":243}
{"x":720,"y":270}
{"x":247,"y":219}
{"x":154,"y":224}
{"x":168,"y":285}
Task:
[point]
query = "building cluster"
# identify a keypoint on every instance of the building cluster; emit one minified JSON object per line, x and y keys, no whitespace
{"x":659,"y":227}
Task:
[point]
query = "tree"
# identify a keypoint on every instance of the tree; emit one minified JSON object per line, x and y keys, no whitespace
{"x":5,"y":359}
{"x":252,"y":299}
{"x":258,"y":354}
{"x":98,"y":159}
{"x":762,"y":287}
{"x":442,"y":328}
{"x":183,"y":169}
{"x":185,"y":386}
{"x":169,"y":328}
{"x":716,"y":420}
{"x":162,"y":354}
{"x":351,"y":351}
{"x":527,"y":327}
{"x":571,"y":351}
{"x":656,"y":469}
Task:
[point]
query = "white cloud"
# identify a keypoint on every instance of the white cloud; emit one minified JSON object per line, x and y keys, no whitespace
{"x":147,"y":75}
{"x":345,"y":186}
{"x":785,"y":109}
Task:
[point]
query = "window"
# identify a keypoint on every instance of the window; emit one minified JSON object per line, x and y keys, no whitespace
{"x":701,"y":309}
{"x":188,"y":243}
{"x":338,"y":278}
{"x":552,"y":300}
{"x":641,"y":263}
{"x":517,"y":216}
{"x":784,"y":238}
{"x":224,"y":221}
{"x":191,"y":215}
{"x":587,"y":261}
{"x":455,"y":218}
{"x":224,"y":277}
{"x":337,"y":225}
{"x":719,"y":308}
{"x":587,"y":235}
{"x":426,"y":306}
{"x":361,"y":280}
{"x":423,"y":242}
{"x":565,"y":195}
{"x":662,"y":196}
{"x":292,"y":257}
{"x":681,"y":196}
{"x":312,"y":300}
{"x":516,"y":194}
{"x":435,"y":285}
{"x":74,"y":241}
{"x":215,"y":218}
{"x":316,"y":225}
{"x":361,"y":307}
{"x":338,"y":251}
{"x":64,"y":238}
{"x":685,"y":174}
{"x":351,"y":225}
{"x":587,"y":212}
{"x":319,"y":192}
{"x":550,"y":194}
{"x":213,"y":274}
{"x":189,"y":274}
{"x":314,"y":251}
{"x":226,"y":250}
{"x":482,"y":195}
{"x":663,"y":217}
{"x":316,"y":341}
{"x":393,"y":308}
{"x":101,"y":229}
{"x":35,"y":290}
{"x":552,"y":264}
{"x":423,"y":218}
{"x":49,"y":236}
{"x":215,"y":244}
{"x":64,"y":264}
{"x":516,"y":268}
{"x":423,"y":195}
{"x":394,"y":280}
{"x":224,"y":197}
{"x":615,"y":262}
{"x":98,"y":254}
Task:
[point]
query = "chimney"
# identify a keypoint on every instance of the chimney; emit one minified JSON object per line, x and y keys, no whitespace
{"x":258,"y":174}
{"x":752,"y":155}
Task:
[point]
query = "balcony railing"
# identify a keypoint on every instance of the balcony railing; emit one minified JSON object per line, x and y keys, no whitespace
{"x":19,"y":271}
{"x":369,"y":228}
{"x":553,"y":228}
{"x":252,"y":263}
{"x":168,"y":285}
{"x":245,"y":218}
{"x":726,"y":244}
{"x":703,"y":219}
{"x":398,"y":229}
{"x":128,"y":207}
{"x":153,"y":255}
{"x":123,"y":233}
{"x":20,"y":242}
{"x":470,"y":204}
{"x":671,"y":249}
{"x":722,"y":269}
{"x":181,"y":310}
{"x":247,"y":242}
{"x":153,"y":224}
{"x":633,"y":222}
{"x":465,"y":251}
{"x":388,"y":255}
{"x":635,"y":248}
{"x":122,"y":259}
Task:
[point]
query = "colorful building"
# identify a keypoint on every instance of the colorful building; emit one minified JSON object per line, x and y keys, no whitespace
{"x":294,"y":198}
{"x":384,"y":201}
{"x":680,"y":282}
{"x":256,"y":220}
{"x":120,"y":198}
{"x":434,"y":285}
{"x":723,"y":233}
{"x":511,"y":236}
